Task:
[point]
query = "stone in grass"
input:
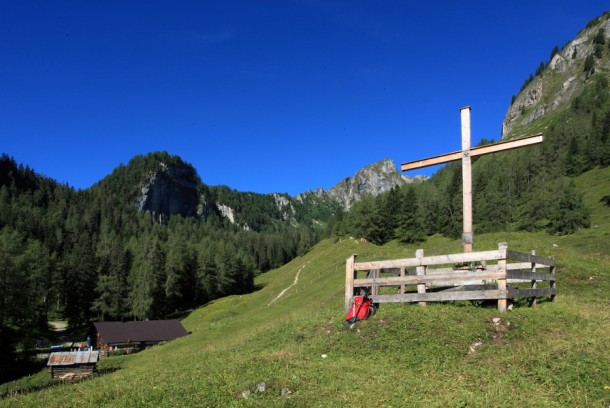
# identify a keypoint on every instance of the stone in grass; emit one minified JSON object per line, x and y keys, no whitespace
{"x":244,"y":394}
{"x":261,"y":388}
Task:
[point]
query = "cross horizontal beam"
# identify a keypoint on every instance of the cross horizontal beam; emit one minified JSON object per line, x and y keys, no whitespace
{"x":475,"y":151}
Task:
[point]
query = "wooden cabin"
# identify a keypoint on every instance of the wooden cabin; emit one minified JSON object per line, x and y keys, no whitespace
{"x":69,"y":365}
{"x":108,"y":336}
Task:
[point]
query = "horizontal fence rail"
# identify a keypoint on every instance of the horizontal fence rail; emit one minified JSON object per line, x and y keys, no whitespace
{"x":466,"y":276}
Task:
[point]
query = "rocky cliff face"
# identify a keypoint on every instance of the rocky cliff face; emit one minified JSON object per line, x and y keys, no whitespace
{"x":564,"y":77}
{"x":374,"y":179}
{"x":171,"y":190}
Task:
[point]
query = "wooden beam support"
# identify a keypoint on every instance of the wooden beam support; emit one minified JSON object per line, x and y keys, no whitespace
{"x":502,"y":302}
{"x":421,"y":273}
{"x":442,"y":296}
{"x":474,"y":152}
{"x":451,"y":278}
{"x":449,"y":259}
{"x":349,"y":281}
{"x":530,"y":258}
{"x":467,"y":238}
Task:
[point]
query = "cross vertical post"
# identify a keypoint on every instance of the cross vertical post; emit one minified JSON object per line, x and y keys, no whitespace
{"x":466,"y":154}
{"x":467,"y":236}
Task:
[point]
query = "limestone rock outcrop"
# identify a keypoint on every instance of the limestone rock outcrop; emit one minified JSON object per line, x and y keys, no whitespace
{"x":169,"y":191}
{"x":562,"y":79}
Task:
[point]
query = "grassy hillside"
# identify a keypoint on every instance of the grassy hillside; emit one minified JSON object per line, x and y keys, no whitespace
{"x":441,"y":355}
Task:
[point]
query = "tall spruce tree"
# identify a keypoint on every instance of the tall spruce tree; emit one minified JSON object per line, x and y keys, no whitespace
{"x":452,"y":206}
{"x":410,"y":228}
{"x":567,"y":212}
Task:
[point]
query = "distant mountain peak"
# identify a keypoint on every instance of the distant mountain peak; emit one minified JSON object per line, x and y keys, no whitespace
{"x":374,"y":179}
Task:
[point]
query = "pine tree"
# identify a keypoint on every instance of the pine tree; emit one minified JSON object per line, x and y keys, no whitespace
{"x":452,"y":206}
{"x":410,"y":228}
{"x":589,"y":67}
{"x":146,"y":298}
{"x":206,"y":271}
{"x":79,"y":275}
{"x":568,"y":213}
{"x":112,"y":288}
{"x":361,"y":218}
{"x":554,"y":52}
{"x":575,"y":162}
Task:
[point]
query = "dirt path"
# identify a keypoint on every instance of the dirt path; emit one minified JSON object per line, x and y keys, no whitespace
{"x":60,"y":330}
{"x":58,"y":326}
{"x":296,"y":280}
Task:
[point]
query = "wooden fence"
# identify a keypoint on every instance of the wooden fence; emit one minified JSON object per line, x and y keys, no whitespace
{"x":465,"y":276}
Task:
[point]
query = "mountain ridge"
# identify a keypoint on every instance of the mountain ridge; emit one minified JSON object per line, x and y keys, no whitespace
{"x":560,"y":79}
{"x":174,"y":187}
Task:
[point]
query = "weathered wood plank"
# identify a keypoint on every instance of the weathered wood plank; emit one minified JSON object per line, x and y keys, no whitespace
{"x":474,"y":152}
{"x":464,"y":257}
{"x":421,"y":272}
{"x":373,"y":274}
{"x":502,"y":303}
{"x":389,"y":264}
{"x":432,"y":260}
{"x":523,"y":257}
{"x":454,"y":278}
{"x":525,"y":265}
{"x":534,"y":284}
{"x":476,"y":286}
{"x":441,"y":296}
{"x":515,"y":293}
{"x":467,"y":236}
{"x":553,"y":283}
{"x":468,"y":282}
{"x":349,"y":281}
{"x":529,"y":276}
{"x":431,"y":161}
{"x":438,"y":271}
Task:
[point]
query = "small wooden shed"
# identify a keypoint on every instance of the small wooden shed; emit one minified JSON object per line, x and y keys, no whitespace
{"x":68,"y":365}
{"x":108,"y":336}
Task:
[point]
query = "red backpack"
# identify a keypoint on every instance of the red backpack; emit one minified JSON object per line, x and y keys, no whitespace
{"x":361,"y":310}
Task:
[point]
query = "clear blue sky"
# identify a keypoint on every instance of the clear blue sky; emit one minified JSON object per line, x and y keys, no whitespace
{"x":264,"y":96}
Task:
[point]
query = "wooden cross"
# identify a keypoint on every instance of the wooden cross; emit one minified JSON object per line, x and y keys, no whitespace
{"x":466,"y":154}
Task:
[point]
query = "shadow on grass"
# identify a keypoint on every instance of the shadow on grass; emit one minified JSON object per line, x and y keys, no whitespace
{"x":49,"y":383}
{"x":181,"y":314}
{"x":13,"y":370}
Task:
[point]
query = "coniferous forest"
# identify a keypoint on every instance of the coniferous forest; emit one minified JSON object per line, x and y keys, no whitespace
{"x":91,"y":255}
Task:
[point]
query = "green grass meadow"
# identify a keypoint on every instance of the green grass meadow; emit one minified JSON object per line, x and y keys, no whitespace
{"x":442,"y":355}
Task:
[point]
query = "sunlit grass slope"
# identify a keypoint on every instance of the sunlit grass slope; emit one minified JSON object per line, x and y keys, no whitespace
{"x":443,"y":355}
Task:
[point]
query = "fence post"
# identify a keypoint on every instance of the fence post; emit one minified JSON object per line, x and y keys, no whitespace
{"x":420,"y":271}
{"x":374,"y":274}
{"x":534,"y":300}
{"x":349,"y":281}
{"x":552,"y":283}
{"x":503,"y":248}
{"x":402,"y":285}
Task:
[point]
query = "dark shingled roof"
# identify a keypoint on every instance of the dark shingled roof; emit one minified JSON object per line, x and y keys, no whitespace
{"x":140,"y":331}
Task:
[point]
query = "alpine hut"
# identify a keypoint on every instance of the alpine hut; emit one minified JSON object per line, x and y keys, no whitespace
{"x":72,"y":364}
{"x":107,"y":336}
